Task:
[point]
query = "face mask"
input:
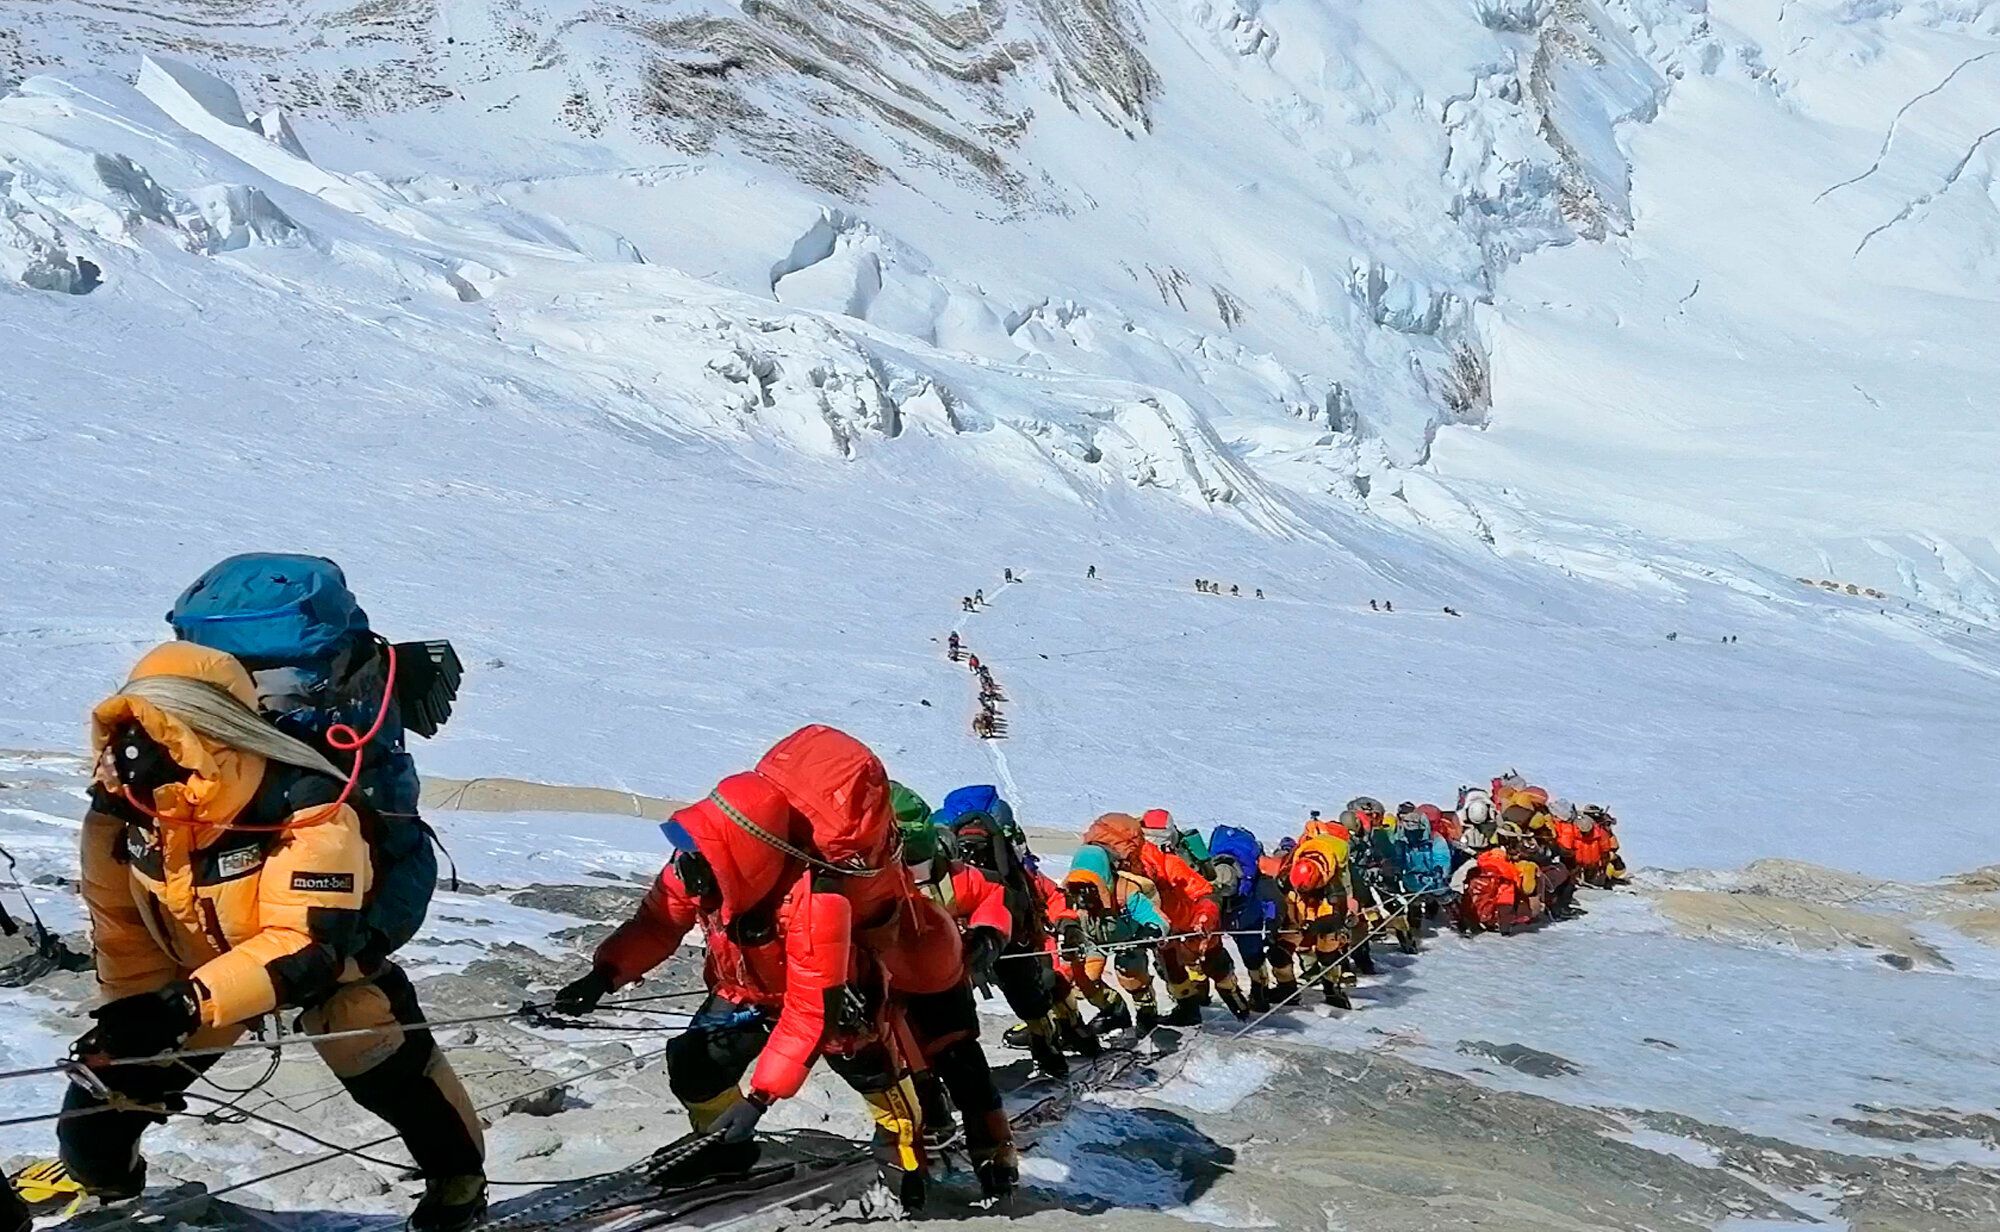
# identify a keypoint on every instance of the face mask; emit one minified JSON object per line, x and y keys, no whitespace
{"x":979,"y":853}
{"x":698,"y":876}
{"x":922,"y":869}
{"x":1228,"y":878}
{"x":142,"y":764}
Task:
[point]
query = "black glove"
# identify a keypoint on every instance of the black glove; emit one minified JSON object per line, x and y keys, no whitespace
{"x":580,"y":997}
{"x":1071,"y":939}
{"x":982,"y":955}
{"x":142,"y":1024}
{"x":739,"y":1121}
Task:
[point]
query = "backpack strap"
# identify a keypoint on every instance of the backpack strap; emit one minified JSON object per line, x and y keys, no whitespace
{"x":289,"y":790}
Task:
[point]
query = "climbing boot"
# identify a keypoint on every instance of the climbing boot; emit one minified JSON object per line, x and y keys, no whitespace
{"x":1260,"y":999}
{"x":998,"y":1178}
{"x":49,"y":1188}
{"x":1283,"y":992}
{"x":909,"y":1188}
{"x":1073,"y":1036}
{"x":1233,"y":999}
{"x":1335,"y":994}
{"x":1186,"y":1012}
{"x":1048,"y":1058}
{"x":14,"y":1216}
{"x":1117,"y":1018}
{"x":1016,"y":1036}
{"x":450,"y":1204}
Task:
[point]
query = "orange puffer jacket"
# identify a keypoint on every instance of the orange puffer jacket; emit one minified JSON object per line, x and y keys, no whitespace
{"x":971,"y":899}
{"x":258,"y":919}
{"x":1186,"y":897}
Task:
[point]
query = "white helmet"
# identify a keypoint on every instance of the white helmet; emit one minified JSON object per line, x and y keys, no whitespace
{"x":1476,"y":809}
{"x":1562,"y":810}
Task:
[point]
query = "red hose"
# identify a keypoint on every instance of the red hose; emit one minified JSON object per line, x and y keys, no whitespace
{"x":341,"y":737}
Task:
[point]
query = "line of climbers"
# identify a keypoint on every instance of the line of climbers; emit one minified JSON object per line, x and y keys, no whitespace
{"x":1520,"y":856}
{"x":233,"y":869}
{"x":1207,"y":587}
{"x":989,"y":723}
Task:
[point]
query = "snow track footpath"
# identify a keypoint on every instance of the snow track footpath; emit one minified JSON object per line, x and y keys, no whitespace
{"x":989,"y":723}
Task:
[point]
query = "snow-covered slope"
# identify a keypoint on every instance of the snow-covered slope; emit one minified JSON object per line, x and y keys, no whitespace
{"x":1257,"y":253}
{"x":685,"y":364}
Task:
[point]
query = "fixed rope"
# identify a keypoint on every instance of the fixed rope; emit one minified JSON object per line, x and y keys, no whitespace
{"x":1318,"y":973}
{"x":527,"y":1011}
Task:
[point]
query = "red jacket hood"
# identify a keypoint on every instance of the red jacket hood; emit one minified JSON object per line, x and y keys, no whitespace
{"x":750,"y":872}
{"x":841,"y":788}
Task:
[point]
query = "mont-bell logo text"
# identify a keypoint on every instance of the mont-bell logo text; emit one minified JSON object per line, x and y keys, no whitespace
{"x":324,"y":883}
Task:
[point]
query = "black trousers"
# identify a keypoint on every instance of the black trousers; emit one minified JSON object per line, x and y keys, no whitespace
{"x":1027,"y":979}
{"x":946,"y":1027}
{"x":398,"y":1075}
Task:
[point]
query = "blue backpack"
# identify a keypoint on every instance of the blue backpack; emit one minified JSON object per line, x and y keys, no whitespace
{"x":294,"y":624}
{"x":982,"y":800}
{"x":1236,"y":843}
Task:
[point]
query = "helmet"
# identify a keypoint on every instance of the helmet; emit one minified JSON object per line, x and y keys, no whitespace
{"x":1475,"y":806}
{"x":907,"y":805}
{"x":1156,"y":819}
{"x":1598,"y":813}
{"x":1307,"y":875}
{"x":1367,"y":805}
{"x":1562,"y":810}
{"x":1586,"y":823}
